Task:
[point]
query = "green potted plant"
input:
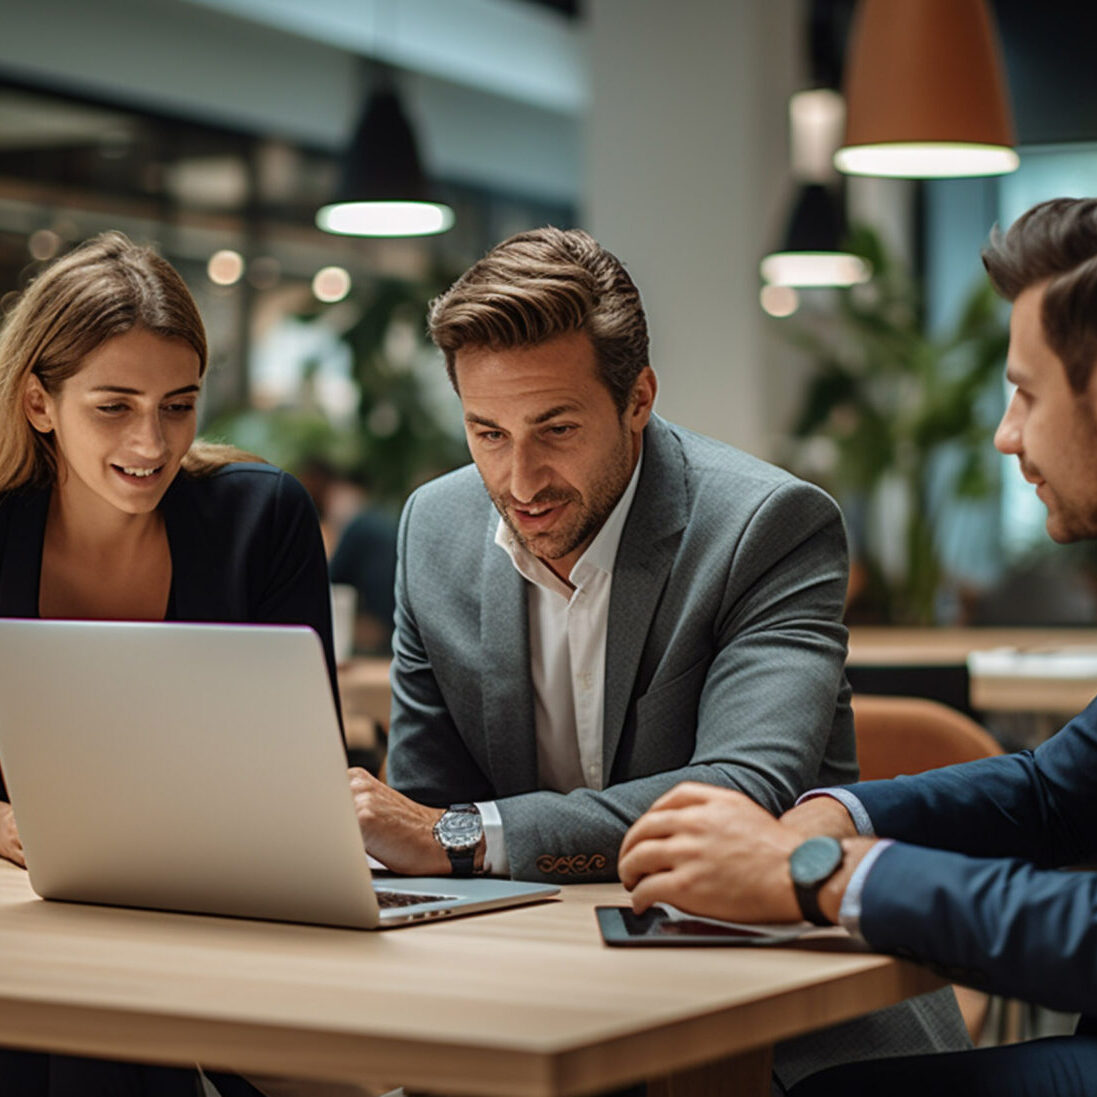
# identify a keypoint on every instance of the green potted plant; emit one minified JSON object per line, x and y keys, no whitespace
{"x":398,"y":436}
{"x":895,"y":421}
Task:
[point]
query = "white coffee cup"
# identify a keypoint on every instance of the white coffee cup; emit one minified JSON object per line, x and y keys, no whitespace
{"x":344,"y":607}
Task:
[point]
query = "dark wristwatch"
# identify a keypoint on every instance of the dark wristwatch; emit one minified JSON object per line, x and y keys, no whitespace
{"x":811,"y":864}
{"x":458,"y":832}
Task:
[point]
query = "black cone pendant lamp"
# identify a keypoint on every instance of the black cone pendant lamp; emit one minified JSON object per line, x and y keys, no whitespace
{"x":383,"y":191}
{"x":812,"y":251}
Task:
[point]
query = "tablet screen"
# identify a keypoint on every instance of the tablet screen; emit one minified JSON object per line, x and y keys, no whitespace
{"x":657,"y":926}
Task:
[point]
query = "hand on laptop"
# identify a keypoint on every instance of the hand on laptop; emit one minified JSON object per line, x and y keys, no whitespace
{"x":10,"y":845}
{"x":397,"y":831}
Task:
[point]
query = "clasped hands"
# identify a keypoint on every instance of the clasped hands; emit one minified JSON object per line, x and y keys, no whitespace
{"x":714,"y":852}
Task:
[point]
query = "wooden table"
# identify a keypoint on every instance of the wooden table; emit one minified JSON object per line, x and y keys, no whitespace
{"x":364,"y":682}
{"x":526,"y":1002}
{"x":884,"y":645}
{"x":366,"y":696}
{"x":364,"y":690}
{"x":1026,"y":689}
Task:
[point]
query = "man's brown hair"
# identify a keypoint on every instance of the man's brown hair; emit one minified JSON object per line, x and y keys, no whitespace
{"x":1054,"y":242}
{"x":541,"y":284}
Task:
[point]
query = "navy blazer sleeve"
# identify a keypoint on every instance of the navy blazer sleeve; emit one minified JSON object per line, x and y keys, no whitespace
{"x":973,"y":886}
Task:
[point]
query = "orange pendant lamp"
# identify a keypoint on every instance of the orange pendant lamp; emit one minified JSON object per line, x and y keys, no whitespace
{"x":926,"y":94}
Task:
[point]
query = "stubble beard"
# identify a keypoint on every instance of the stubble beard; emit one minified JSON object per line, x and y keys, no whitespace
{"x":589,"y":512}
{"x":1067,"y":522}
{"x":1074,"y":517}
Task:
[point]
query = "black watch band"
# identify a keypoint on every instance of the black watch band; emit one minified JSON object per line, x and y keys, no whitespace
{"x":462,"y":863}
{"x":811,"y":864}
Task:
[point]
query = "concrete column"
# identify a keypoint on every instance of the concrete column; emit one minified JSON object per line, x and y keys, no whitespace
{"x":687,"y":181}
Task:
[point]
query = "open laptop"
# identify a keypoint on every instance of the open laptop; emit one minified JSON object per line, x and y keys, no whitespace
{"x":196,"y":768}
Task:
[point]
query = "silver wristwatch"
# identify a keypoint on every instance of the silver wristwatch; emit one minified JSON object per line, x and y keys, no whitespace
{"x":459,"y":832}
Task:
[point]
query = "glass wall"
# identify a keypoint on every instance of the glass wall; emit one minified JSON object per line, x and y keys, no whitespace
{"x":318,"y":349}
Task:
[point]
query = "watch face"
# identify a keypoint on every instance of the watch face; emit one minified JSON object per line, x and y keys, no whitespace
{"x":814,"y":860}
{"x":460,"y":829}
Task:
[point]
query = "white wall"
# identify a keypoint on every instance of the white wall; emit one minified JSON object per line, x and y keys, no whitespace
{"x":686,"y":181}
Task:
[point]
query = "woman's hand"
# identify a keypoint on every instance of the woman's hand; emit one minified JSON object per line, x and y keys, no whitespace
{"x":10,"y":845}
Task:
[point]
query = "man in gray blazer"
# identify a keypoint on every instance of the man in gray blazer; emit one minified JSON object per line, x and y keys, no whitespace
{"x":603,"y":606}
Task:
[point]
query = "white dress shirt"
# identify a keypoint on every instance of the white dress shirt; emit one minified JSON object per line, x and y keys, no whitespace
{"x":567,"y":648}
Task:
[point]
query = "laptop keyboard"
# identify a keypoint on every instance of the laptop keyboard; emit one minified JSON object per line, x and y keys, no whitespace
{"x":387,"y":900}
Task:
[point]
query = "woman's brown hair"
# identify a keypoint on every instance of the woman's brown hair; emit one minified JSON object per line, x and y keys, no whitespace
{"x":103,"y":288}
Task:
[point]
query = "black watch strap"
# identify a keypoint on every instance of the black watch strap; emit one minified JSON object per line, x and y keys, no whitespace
{"x":808,"y":898}
{"x":463,"y":863}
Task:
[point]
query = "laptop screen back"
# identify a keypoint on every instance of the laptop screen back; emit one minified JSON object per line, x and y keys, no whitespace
{"x":183,"y":767}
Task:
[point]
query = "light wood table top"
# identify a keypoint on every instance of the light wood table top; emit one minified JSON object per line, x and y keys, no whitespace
{"x":526,"y":1002}
{"x":1026,"y":687}
{"x":366,"y":696}
{"x":364,"y":682}
{"x":875,"y":645}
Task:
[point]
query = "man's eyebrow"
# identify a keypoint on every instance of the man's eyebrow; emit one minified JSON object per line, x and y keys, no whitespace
{"x":122,"y":390}
{"x":480,"y":420}
{"x":535,"y":420}
{"x":545,"y":416}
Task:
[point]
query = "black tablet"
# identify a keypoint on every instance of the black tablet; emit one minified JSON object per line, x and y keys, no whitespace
{"x":656,"y":927}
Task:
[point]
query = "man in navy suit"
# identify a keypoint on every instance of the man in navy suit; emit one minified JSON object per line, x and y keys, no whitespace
{"x":959,"y":868}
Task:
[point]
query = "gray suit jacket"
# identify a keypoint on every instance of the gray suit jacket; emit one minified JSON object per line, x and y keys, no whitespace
{"x":724,"y":653}
{"x":724,"y":664}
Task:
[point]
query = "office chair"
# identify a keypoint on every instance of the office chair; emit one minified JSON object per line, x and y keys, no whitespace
{"x":897,"y":735}
{"x":910,"y":734}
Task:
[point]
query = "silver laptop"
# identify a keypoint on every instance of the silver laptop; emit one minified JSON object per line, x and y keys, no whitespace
{"x":196,"y":768}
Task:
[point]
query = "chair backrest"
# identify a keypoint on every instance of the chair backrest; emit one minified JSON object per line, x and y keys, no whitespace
{"x":911,"y":734}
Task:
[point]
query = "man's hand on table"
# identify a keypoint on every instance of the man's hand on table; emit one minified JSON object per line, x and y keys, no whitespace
{"x":710,"y":851}
{"x":715,"y":852}
{"x":11,"y":847}
{"x":397,"y":831}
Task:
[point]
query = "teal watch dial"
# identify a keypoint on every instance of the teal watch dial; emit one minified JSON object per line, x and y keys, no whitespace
{"x":810,"y":865}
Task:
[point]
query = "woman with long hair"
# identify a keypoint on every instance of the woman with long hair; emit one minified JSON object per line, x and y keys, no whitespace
{"x":110,"y":509}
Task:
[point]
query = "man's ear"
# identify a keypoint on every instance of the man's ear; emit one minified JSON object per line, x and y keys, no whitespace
{"x":37,"y":405}
{"x":642,"y":399}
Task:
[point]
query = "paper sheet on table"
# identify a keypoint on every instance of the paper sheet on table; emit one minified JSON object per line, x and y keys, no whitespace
{"x":1079,"y":662}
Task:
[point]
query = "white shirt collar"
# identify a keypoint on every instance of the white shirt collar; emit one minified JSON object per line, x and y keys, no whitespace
{"x":601,"y":553}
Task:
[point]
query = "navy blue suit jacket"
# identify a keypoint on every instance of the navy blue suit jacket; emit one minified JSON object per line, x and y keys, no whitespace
{"x":245,"y":547}
{"x":975,"y":886}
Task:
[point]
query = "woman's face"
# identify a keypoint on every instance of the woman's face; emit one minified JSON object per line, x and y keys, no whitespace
{"x":123,"y":422}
